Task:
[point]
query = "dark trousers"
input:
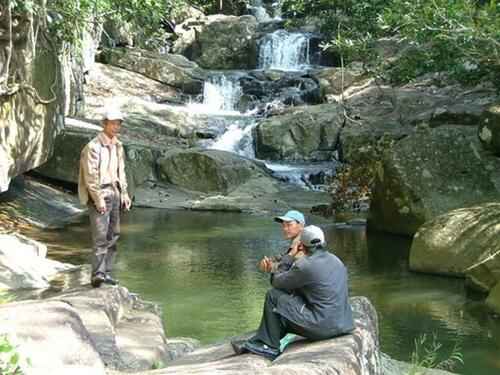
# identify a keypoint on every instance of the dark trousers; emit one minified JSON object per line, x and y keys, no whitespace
{"x":105,"y":230}
{"x":273,"y":327}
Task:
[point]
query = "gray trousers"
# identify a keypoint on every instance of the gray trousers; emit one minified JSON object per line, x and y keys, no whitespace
{"x":273,"y":327}
{"x":105,"y":230}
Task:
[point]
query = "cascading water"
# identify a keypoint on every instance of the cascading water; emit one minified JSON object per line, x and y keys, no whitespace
{"x":238,"y":139}
{"x":220,"y":94}
{"x":282,"y":50}
{"x":258,"y":11}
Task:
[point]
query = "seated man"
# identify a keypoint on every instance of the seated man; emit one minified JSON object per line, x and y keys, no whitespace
{"x":292,"y":225}
{"x":309,"y":298}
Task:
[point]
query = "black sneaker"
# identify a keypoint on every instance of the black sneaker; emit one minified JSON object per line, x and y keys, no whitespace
{"x":239,"y":346}
{"x":109,"y":280}
{"x":261,"y":349}
{"x":97,"y":279}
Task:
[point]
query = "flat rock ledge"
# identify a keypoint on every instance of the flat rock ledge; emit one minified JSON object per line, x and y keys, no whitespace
{"x":90,"y":331}
{"x":356,"y":354}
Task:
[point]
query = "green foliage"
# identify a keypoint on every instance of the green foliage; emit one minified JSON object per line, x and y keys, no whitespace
{"x":428,"y":354}
{"x":10,"y":360}
{"x":459,"y":37}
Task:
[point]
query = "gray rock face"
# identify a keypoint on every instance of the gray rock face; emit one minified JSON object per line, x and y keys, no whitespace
{"x":429,"y":173}
{"x":334,"y":81}
{"x":454,"y":242}
{"x":207,"y":170}
{"x":462,"y":242}
{"x":173,"y":70}
{"x":58,"y":343}
{"x":64,"y":164}
{"x":39,"y":205}
{"x":356,"y":354}
{"x":23,"y":264}
{"x":489,"y":129}
{"x":302,"y":133}
{"x":220,"y":42}
{"x":259,"y":88}
{"x":32,"y":114}
{"x":86,"y":331}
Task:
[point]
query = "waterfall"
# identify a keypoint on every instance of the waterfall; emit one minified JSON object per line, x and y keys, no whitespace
{"x":257,"y":9}
{"x":221,"y":94}
{"x":237,"y":139}
{"x":284,"y":51}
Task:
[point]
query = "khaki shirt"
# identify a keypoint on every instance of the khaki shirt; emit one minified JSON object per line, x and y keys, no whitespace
{"x":101,"y":162}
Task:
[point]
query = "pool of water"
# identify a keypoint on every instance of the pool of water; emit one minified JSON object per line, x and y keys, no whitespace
{"x":202,"y":269}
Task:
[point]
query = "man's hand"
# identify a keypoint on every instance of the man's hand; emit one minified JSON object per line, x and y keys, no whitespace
{"x":266,"y":265}
{"x":101,"y":207}
{"x":126,"y":202}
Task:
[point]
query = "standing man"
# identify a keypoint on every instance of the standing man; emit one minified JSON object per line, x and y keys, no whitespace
{"x":292,"y":225}
{"x":309,"y":298}
{"x":102,"y":186}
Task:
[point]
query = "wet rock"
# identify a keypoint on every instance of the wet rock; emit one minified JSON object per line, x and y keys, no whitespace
{"x":458,"y":241}
{"x":302,"y":133}
{"x":207,"y":170}
{"x":23,"y":264}
{"x":357,"y":353}
{"x":430,"y":173}
{"x":463,"y":242}
{"x":261,"y":88}
{"x":29,"y":122}
{"x":39,"y":205}
{"x":489,"y":129}
{"x":172,"y":70}
{"x":220,"y":42}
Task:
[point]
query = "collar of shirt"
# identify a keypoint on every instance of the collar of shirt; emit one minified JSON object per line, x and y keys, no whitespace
{"x":106,"y":141}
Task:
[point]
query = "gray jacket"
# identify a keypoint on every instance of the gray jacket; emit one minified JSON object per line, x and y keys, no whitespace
{"x":317,"y":293}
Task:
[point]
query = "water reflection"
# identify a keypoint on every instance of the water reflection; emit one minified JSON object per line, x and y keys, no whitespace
{"x":201,"y":267}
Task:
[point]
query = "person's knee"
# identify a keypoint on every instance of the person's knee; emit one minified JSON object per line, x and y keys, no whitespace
{"x":273,"y":294}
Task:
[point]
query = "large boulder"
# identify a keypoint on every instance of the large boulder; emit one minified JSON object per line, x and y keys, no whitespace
{"x":429,"y":173}
{"x":301,"y":133}
{"x":334,"y":81}
{"x":207,"y":170}
{"x":30,"y":111}
{"x":23,"y":264}
{"x":489,"y":129}
{"x":458,"y":242}
{"x":220,"y":42}
{"x":64,"y":165}
{"x":259,"y":88}
{"x":356,"y":353}
{"x":463,"y":242}
{"x":86,"y":331}
{"x":57,"y":344}
{"x":33,"y":203}
{"x":172,"y":70}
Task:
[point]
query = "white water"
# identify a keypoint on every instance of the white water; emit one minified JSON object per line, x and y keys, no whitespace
{"x":238,"y":139}
{"x":221,"y":94}
{"x":282,"y":50}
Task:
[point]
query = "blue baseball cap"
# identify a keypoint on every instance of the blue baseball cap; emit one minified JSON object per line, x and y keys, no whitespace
{"x":292,"y":215}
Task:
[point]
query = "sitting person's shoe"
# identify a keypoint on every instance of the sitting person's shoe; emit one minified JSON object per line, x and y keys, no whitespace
{"x":261,"y":349}
{"x":239,"y":346}
{"x":109,"y":280}
{"x":97,"y":279}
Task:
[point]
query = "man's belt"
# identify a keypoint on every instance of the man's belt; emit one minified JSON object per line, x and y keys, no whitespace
{"x":113,"y":185}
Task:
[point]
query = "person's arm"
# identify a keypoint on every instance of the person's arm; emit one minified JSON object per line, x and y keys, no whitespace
{"x":90,"y":165}
{"x":295,"y":277}
{"x":125,"y":200}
